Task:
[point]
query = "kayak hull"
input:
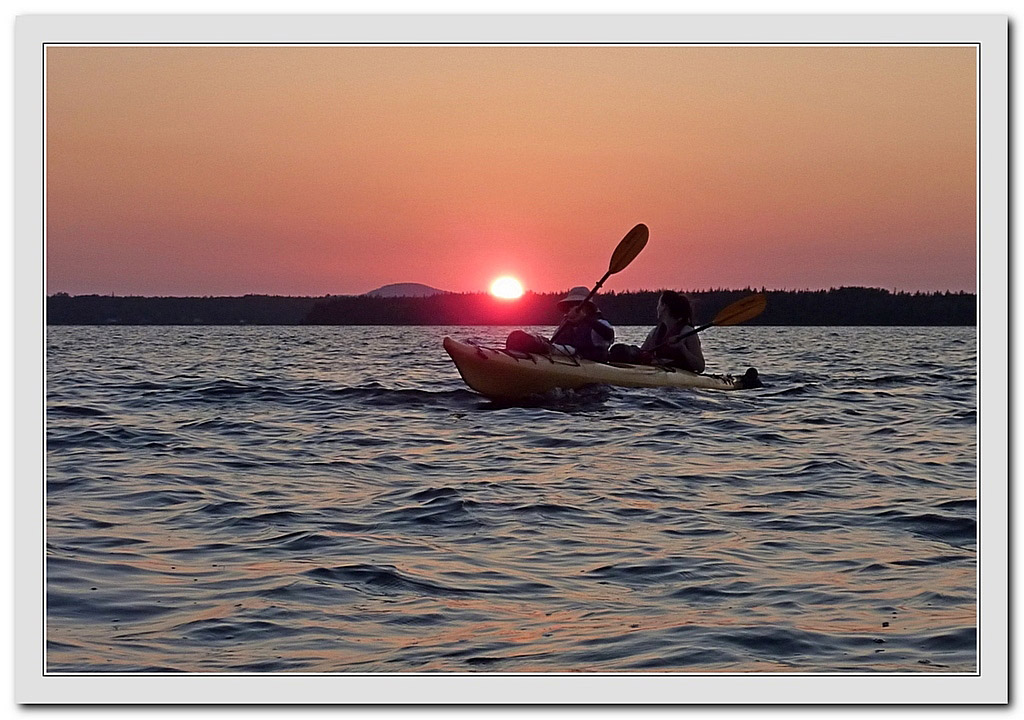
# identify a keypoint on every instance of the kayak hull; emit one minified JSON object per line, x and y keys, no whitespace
{"x":503,"y":375}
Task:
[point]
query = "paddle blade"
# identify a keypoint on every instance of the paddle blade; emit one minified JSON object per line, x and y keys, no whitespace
{"x":629,"y":247}
{"x":742,"y":310}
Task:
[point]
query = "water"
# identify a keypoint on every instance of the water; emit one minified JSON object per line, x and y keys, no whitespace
{"x":335,"y":499}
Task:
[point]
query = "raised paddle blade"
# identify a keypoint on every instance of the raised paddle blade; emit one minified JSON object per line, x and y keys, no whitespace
{"x":742,"y":310}
{"x":629,"y":247}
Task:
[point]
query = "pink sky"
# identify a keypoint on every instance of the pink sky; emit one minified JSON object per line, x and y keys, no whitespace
{"x":316,"y":170}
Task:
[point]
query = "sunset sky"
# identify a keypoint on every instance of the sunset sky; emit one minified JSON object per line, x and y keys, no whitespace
{"x":315,"y":170}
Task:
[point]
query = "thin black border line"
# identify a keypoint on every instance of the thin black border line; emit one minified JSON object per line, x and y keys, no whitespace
{"x":977,"y":376}
{"x":46,"y":451}
{"x":461,"y":43}
{"x":978,"y":136}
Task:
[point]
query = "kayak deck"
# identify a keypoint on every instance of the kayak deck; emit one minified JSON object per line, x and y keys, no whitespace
{"x":507,"y":375}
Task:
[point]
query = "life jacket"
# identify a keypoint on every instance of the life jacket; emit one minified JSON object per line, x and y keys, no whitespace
{"x":590,"y":337}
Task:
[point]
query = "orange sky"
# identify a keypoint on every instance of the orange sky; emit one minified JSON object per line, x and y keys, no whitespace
{"x":313,"y":170}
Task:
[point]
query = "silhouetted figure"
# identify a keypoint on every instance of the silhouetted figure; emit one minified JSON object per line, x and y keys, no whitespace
{"x":668,"y":343}
{"x":585,"y":333}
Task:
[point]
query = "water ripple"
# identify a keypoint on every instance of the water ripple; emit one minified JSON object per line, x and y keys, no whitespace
{"x":337,"y":500}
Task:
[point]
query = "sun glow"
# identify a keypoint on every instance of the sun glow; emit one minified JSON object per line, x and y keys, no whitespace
{"x":506,"y":287}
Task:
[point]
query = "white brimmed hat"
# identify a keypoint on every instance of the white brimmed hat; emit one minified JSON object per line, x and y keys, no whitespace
{"x":575,"y":297}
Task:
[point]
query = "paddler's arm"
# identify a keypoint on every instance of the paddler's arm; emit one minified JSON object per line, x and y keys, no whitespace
{"x":572,"y":320}
{"x":651,"y":340}
{"x":646,"y":355}
{"x":685,"y":351}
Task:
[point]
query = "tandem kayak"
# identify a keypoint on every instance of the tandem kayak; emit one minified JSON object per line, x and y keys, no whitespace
{"x":508,"y":375}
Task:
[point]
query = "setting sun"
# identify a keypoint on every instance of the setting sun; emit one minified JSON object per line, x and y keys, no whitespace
{"x":506,"y":287}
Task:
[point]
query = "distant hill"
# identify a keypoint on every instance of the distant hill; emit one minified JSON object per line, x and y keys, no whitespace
{"x":404,"y":290}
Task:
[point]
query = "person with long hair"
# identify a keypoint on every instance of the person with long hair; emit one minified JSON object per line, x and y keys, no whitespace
{"x":671,"y":342}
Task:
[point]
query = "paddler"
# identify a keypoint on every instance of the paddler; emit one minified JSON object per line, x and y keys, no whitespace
{"x":672,"y":342}
{"x":584,"y":332}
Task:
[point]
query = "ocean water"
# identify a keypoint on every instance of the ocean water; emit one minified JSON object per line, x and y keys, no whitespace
{"x":336,"y":500}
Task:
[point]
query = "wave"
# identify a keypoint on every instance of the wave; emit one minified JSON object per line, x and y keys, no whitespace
{"x":75,"y":411}
{"x":954,"y":641}
{"x":566,"y":400}
{"x":667,"y":571}
{"x":443,"y":511}
{"x":951,"y":529}
{"x":714,"y":594}
{"x":161,"y":498}
{"x":220,"y":390}
{"x":434,"y":493}
{"x":386,"y":580}
{"x":262,"y":520}
{"x":775,"y":643}
{"x":221,"y":425}
{"x":545,"y":509}
{"x":381,"y":396}
{"x":102,"y":604}
{"x":796,"y":390}
{"x":110,"y":436}
{"x":221,"y":631}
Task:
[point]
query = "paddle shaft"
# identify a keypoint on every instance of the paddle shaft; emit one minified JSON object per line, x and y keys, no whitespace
{"x":695,"y":331}
{"x":625,"y":252}
{"x":593,"y":292}
{"x":677,"y":338}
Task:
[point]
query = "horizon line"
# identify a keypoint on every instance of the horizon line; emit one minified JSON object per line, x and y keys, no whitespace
{"x":894,"y":291}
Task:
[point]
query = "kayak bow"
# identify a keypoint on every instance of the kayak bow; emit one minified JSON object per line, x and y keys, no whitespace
{"x":506,"y":375}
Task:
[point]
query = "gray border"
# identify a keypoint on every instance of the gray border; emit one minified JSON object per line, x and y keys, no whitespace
{"x":33,"y":31}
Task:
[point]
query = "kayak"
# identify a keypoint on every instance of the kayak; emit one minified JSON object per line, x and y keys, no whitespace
{"x":502,"y":374}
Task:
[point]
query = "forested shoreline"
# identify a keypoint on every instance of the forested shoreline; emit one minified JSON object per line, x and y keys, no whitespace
{"x":833,"y":307}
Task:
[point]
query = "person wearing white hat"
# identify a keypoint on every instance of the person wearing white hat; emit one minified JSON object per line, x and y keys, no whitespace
{"x":583,"y":333}
{"x":584,"y":330}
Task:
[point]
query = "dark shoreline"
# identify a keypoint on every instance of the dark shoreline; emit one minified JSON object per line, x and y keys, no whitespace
{"x":847,"y":306}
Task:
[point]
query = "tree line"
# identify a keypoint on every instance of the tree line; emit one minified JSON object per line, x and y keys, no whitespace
{"x":836,"y":306}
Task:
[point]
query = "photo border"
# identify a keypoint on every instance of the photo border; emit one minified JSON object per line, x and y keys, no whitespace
{"x":988,"y":685}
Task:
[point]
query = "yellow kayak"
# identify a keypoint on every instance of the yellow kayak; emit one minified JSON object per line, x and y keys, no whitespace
{"x":508,"y":375}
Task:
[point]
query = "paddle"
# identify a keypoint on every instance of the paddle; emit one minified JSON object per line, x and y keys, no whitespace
{"x":629,"y":247}
{"x":735,"y":313}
